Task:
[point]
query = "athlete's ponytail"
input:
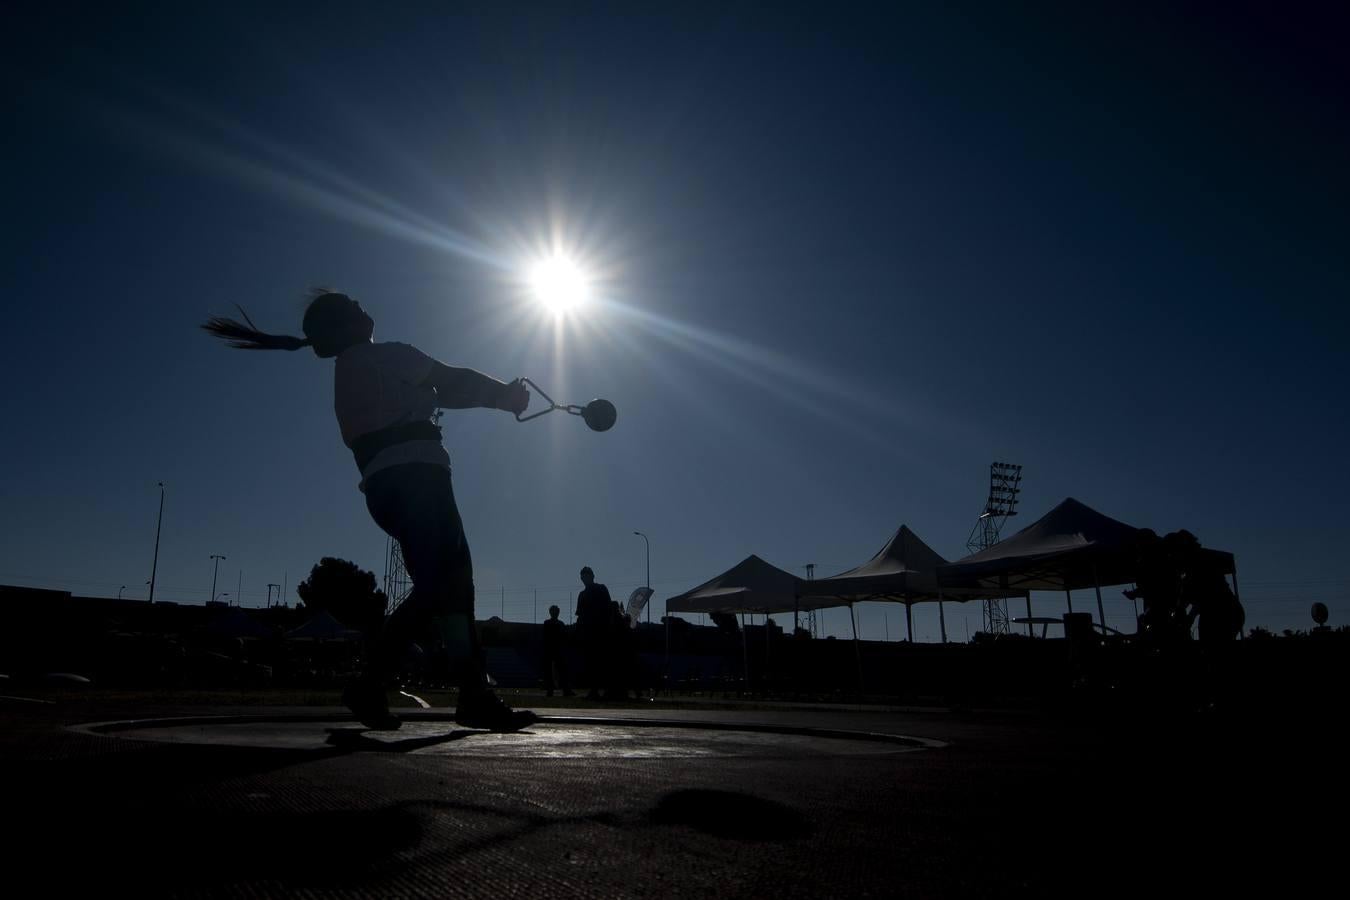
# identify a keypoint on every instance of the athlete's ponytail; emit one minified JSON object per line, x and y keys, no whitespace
{"x":248,"y":337}
{"x":332,"y":323}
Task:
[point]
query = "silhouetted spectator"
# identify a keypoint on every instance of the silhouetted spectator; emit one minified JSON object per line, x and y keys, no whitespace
{"x":622,"y":655}
{"x":595,"y":626}
{"x":1220,"y":618}
{"x":1159,"y":573}
{"x":555,"y":667}
{"x":1220,"y":615}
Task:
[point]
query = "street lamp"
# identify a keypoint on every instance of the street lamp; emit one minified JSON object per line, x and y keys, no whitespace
{"x":120,"y":590}
{"x":271,"y":585}
{"x":649,"y":574}
{"x":665,"y":675}
{"x":217,"y":557}
{"x":154,"y":566}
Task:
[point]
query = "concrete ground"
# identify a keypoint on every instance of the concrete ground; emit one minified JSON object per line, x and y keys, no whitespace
{"x":775,"y":802}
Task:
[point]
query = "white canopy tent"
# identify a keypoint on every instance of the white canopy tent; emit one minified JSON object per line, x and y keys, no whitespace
{"x":750,"y":586}
{"x":323,"y":627}
{"x":903,"y":571}
{"x":1069,"y":548}
{"x":236,"y":623}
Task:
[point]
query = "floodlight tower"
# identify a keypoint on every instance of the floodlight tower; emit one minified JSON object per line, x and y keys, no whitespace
{"x":1005,"y":480}
{"x":810,"y":613}
{"x":396,"y":583}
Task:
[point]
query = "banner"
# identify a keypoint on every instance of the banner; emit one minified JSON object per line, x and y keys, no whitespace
{"x":636,"y":601}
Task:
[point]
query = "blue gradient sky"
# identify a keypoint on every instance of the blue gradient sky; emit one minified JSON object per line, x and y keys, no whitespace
{"x":848,"y":259}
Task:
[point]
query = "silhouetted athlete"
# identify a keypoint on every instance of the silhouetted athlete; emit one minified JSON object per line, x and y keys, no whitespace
{"x":385,"y":397}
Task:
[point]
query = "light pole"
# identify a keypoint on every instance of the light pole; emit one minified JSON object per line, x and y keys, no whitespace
{"x":649,"y":574}
{"x":120,"y":590}
{"x":217,"y":557}
{"x":271,"y":585}
{"x":665,"y":675}
{"x":154,"y":566}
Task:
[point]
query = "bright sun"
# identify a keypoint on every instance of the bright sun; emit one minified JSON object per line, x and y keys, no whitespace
{"x":559,"y":284}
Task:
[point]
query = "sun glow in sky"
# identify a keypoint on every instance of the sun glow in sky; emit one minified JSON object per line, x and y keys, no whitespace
{"x":787,"y":387}
{"x":559,"y":284}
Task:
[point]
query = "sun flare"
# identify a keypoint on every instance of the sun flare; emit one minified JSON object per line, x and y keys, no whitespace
{"x":559,"y":284}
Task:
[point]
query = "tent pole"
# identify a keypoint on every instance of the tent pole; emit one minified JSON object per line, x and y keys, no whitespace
{"x":909,"y":622}
{"x":745,"y":654}
{"x":857,"y":651}
{"x":1029,"y":631}
{"x":1101,"y":611}
{"x":942,"y":618}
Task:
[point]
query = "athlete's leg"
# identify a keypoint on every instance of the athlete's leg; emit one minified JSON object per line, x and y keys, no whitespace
{"x":404,"y":501}
{"x":417,"y":507}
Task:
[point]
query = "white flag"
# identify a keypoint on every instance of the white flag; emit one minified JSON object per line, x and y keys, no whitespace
{"x":636,"y":601}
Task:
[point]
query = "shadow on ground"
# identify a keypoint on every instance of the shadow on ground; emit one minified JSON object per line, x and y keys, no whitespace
{"x":729,"y":814}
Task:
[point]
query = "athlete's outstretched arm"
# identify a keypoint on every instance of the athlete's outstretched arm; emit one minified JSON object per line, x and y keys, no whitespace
{"x":458,"y":388}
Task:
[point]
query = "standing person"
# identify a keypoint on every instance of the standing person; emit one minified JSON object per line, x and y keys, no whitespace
{"x":385,"y":397}
{"x":623,"y":656}
{"x":555,"y":667}
{"x":1220,"y":614}
{"x":595,"y":613}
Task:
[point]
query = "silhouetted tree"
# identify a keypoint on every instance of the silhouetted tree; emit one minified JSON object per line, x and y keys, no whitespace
{"x":346,"y":591}
{"x":725,"y":622}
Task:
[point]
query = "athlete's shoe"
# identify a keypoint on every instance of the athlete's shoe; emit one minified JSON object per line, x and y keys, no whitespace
{"x":484,"y":709}
{"x":370,"y":705}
